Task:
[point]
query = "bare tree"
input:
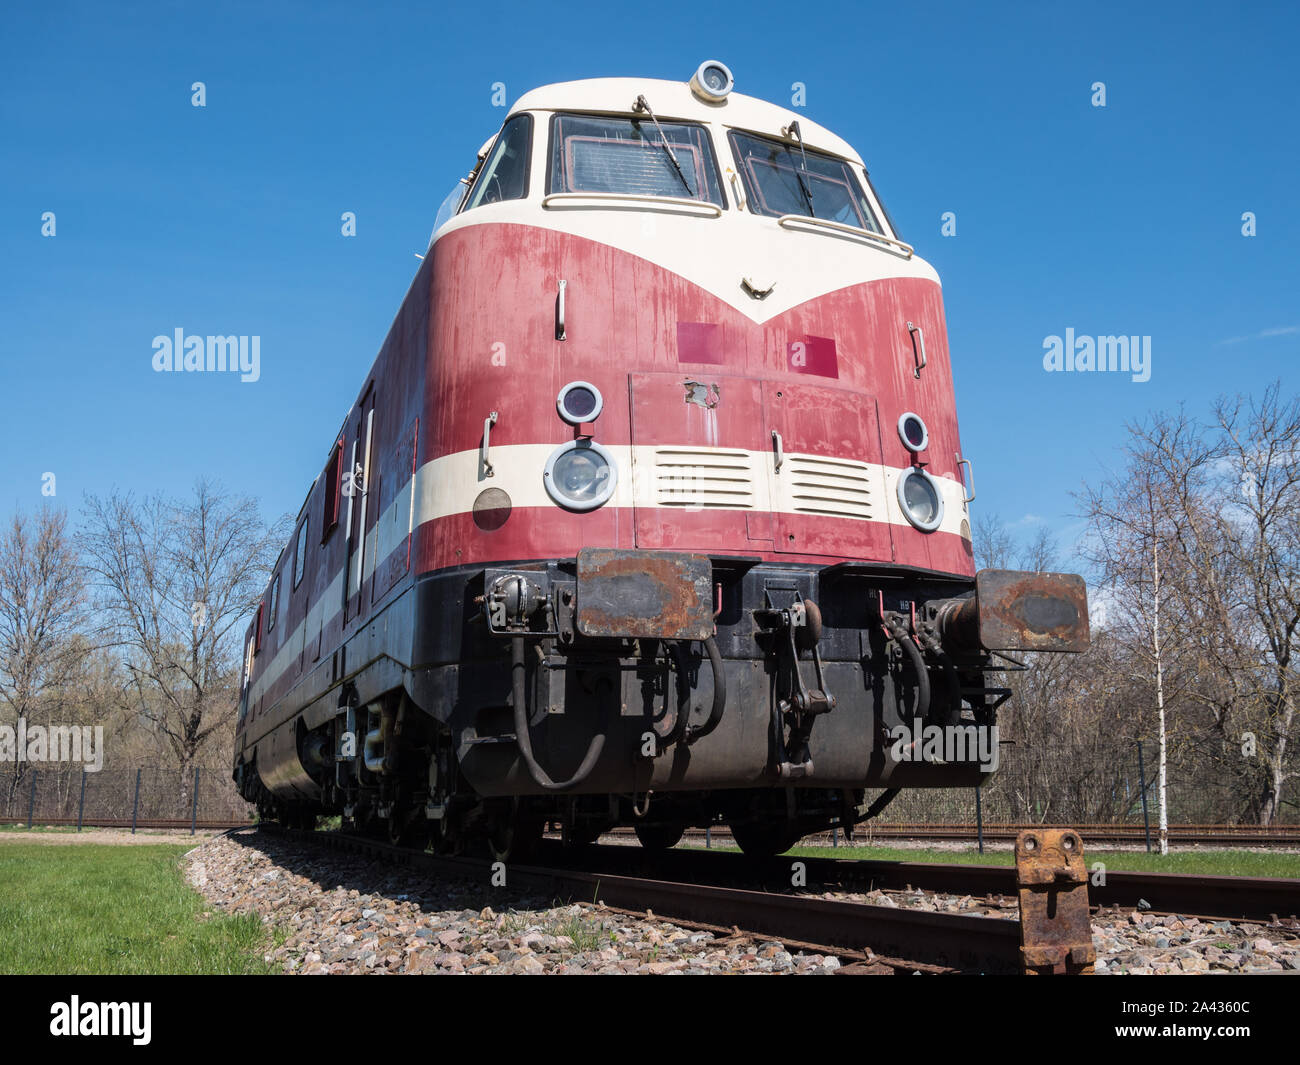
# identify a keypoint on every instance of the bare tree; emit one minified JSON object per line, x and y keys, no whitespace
{"x":42,"y":609}
{"x":176,"y":580}
{"x":1199,"y":552}
{"x":1261,"y":449}
{"x":1136,"y":521}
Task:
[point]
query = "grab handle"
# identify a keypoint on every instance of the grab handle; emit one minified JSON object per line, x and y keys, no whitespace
{"x":918,"y":344}
{"x":488,"y":422}
{"x":969,"y":484}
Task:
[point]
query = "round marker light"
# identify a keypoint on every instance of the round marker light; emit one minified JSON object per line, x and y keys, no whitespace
{"x":913,"y":433}
{"x":919,"y":496}
{"x":580,"y":475}
{"x":579,"y":402}
{"x":712,"y":82}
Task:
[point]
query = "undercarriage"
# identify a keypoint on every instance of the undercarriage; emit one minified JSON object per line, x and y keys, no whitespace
{"x":662,"y":691}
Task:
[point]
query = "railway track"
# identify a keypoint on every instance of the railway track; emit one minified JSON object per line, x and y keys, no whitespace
{"x":728,"y":893}
{"x":1093,"y":835}
{"x":1268,"y":899}
{"x":867,"y":939}
{"x":1218,"y":835}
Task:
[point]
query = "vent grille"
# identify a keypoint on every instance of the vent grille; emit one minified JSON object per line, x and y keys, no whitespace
{"x":835,"y":488}
{"x":687,"y":477}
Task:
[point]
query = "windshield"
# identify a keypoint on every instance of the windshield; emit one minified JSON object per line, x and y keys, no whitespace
{"x":785,"y":178}
{"x":627,"y":155}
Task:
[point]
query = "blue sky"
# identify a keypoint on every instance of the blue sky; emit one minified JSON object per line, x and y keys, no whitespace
{"x":226,"y":219}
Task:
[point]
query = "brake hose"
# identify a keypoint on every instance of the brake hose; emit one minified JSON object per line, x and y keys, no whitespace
{"x":918,"y":663}
{"x":539,"y":775}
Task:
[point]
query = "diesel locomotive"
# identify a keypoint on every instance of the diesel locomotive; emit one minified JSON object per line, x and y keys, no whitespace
{"x":651,"y":511}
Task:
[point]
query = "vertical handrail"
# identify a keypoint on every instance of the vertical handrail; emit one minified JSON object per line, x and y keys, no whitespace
{"x":970,"y":480}
{"x":488,"y":422}
{"x":918,"y":339}
{"x":560,"y":334}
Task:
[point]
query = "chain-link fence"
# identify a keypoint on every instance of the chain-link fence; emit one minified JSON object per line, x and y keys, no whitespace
{"x":1100,"y":785}
{"x":154,"y":797}
{"x":1035,"y":784}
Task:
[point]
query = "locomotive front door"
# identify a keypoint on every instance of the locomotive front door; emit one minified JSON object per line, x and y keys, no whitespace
{"x":698,"y":477}
{"x":828,"y":485}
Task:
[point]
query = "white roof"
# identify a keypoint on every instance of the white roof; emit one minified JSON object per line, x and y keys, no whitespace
{"x":674,"y":99}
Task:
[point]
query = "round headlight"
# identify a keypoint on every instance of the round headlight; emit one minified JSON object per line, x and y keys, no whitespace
{"x":919,"y":496}
{"x":913,"y":433}
{"x":712,"y":81}
{"x":580,"y":475}
{"x":579,"y":402}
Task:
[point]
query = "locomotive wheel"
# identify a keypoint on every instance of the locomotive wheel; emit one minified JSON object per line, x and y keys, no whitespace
{"x":513,"y":835}
{"x":763,"y":841}
{"x":408,"y":829}
{"x":659,"y":837}
{"x":579,"y":835}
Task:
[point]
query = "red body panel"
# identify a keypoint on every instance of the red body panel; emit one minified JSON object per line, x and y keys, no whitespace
{"x":638,"y":332}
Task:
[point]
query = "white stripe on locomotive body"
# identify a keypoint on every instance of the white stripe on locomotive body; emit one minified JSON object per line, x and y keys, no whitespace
{"x":712,"y":253}
{"x":447,"y":486}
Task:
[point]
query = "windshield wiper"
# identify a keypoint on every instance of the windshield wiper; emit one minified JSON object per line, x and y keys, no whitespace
{"x":642,"y":105}
{"x":794,"y":131}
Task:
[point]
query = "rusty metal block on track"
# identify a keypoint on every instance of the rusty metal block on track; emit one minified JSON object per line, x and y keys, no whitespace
{"x":1052,"y":880}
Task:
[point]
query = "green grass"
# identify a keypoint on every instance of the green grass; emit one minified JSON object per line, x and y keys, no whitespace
{"x":115,"y":910}
{"x":1223,"y":863}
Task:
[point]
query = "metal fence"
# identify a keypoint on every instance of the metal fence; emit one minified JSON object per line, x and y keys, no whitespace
{"x":1094,"y":785}
{"x":1035,"y":784}
{"x":153,"y":797}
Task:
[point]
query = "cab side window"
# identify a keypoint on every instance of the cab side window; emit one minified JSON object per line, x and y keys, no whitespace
{"x":505,"y":173}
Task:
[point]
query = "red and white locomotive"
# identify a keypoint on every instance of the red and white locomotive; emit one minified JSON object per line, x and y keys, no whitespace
{"x":650,"y":511}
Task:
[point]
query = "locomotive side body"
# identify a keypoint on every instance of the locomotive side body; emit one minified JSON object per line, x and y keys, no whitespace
{"x":667,"y":500}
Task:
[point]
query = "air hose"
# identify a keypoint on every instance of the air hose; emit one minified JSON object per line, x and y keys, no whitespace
{"x":918,"y":664}
{"x":539,"y":775}
{"x":719,"y":693}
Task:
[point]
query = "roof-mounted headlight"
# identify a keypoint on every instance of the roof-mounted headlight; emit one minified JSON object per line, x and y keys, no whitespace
{"x":712,"y":82}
